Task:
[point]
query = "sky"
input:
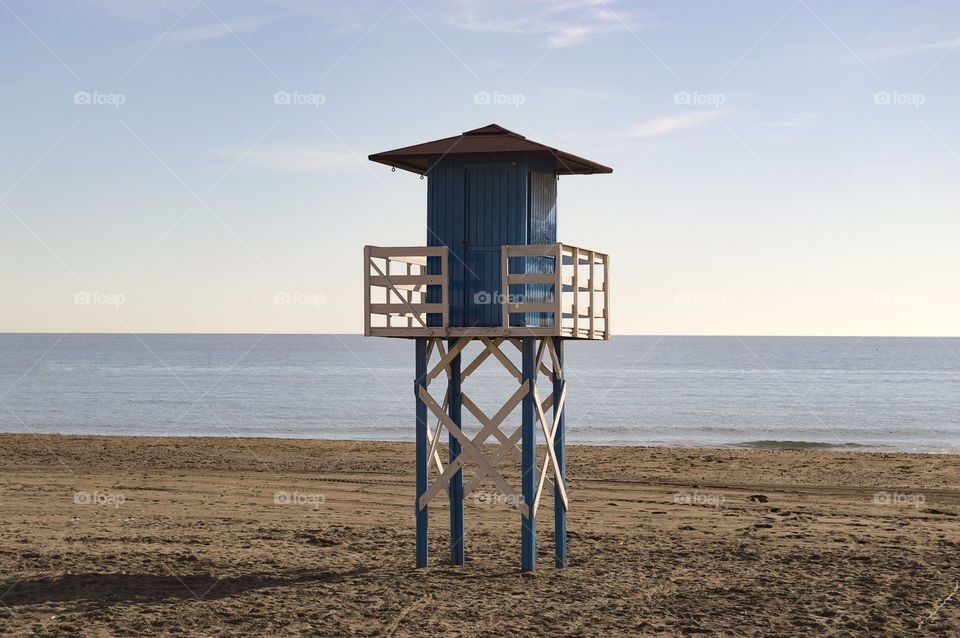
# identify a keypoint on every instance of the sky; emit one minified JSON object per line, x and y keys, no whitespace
{"x":780,"y":167}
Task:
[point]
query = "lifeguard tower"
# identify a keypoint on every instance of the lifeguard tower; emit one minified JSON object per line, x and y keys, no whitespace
{"x":492,"y":271}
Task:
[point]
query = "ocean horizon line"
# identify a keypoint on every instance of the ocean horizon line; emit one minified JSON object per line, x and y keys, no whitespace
{"x":360,"y":334}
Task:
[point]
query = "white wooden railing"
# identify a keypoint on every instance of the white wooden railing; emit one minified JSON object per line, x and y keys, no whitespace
{"x":581,"y":310}
{"x":571,"y":299}
{"x":389,"y":296}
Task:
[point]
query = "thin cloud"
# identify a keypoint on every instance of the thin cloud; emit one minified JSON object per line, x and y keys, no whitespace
{"x":596,"y":94}
{"x":295,"y":159}
{"x":798,"y":121}
{"x":911,"y":49}
{"x":217,"y":29}
{"x":664,"y":125}
{"x":563,"y":24}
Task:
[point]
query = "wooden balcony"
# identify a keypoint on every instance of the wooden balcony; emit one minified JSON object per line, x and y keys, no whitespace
{"x":545,"y":290}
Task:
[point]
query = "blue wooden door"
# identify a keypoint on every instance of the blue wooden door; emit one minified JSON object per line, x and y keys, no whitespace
{"x":487,"y":225}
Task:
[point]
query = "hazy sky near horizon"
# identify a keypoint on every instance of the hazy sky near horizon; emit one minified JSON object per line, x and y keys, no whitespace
{"x":780,"y":167}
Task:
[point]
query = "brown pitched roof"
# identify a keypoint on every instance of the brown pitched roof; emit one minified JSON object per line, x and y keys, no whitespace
{"x":488,"y":141}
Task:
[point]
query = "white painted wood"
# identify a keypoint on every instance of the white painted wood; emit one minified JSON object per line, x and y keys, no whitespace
{"x":447,"y":358}
{"x":557,"y":371}
{"x":406,"y":293}
{"x":495,"y":351}
{"x":366,"y":291}
{"x":469,"y":449}
{"x":549,"y":433}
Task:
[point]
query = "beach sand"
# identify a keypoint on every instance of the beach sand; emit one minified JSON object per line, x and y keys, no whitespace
{"x":187,"y":539}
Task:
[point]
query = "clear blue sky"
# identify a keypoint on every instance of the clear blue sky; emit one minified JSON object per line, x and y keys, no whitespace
{"x":780,"y":167}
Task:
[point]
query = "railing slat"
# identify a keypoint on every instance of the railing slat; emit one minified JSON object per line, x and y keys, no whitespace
{"x":402,"y":309}
{"x":407,"y":280}
{"x":530,"y":306}
{"x":538,"y":278}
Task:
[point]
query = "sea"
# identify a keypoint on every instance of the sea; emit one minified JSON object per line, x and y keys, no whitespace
{"x":833,"y":393}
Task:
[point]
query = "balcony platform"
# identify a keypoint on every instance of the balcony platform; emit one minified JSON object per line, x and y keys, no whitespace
{"x":571,"y":299}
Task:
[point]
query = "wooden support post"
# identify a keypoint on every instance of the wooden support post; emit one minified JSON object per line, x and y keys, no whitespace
{"x":421,"y":451}
{"x":559,"y":447}
{"x":456,"y":482}
{"x":528,"y":469}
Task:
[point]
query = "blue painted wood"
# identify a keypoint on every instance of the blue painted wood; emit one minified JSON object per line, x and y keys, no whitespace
{"x":454,"y":407}
{"x":528,"y":461}
{"x":559,"y":449}
{"x":486,"y":209}
{"x":542,"y":207}
{"x":422,"y":450}
{"x":475,"y":206}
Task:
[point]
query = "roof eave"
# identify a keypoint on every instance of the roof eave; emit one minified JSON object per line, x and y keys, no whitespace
{"x":395,"y":162}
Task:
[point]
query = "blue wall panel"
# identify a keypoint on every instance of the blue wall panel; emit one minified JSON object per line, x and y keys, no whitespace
{"x":475,"y":206}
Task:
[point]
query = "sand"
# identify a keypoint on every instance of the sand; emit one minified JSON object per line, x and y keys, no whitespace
{"x":105,"y":536}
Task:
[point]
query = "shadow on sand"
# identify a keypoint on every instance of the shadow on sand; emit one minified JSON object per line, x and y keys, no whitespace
{"x":114,"y":588}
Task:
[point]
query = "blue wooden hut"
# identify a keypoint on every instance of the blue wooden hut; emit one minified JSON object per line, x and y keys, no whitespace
{"x":488,"y":188}
{"x":492,"y":271}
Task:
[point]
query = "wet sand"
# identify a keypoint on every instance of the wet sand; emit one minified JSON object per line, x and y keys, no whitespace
{"x":106,"y":536}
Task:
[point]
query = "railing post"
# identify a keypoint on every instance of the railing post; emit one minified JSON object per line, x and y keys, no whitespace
{"x":505,"y":292}
{"x":558,"y":291}
{"x":386,"y":271}
{"x":366,"y":291}
{"x":410,"y":292}
{"x":592,"y":286}
{"x":576,"y":292}
{"x":445,"y":287}
{"x":606,"y":296}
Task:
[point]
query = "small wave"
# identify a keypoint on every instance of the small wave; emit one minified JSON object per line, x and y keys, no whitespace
{"x":798,"y":445}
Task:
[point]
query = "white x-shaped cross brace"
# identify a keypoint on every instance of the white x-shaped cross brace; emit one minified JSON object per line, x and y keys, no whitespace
{"x":491,"y":425}
{"x":551,"y":456}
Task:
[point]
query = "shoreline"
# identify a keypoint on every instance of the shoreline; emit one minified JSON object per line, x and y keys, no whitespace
{"x":772,"y":445}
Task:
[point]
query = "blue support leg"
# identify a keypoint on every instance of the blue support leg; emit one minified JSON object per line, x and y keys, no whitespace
{"x":456,"y":482}
{"x":421,"y":452}
{"x":528,"y":459}
{"x":559,"y":448}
